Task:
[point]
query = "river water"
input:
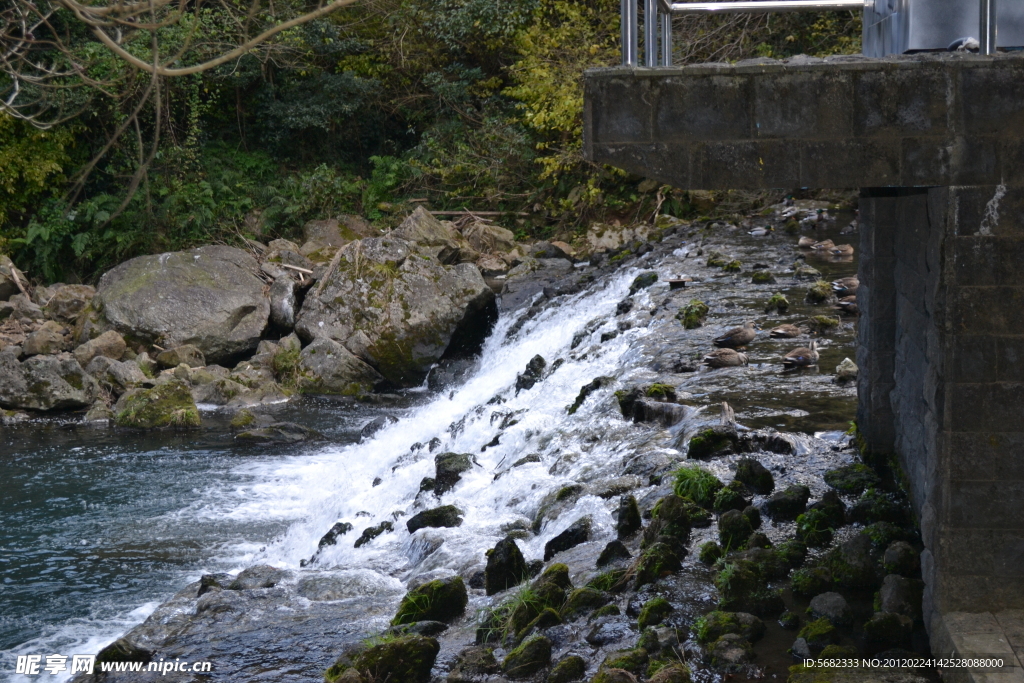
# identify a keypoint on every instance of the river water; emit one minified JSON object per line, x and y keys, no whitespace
{"x":100,"y":526}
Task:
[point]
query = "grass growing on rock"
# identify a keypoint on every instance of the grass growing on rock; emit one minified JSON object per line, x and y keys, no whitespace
{"x":697,"y":484}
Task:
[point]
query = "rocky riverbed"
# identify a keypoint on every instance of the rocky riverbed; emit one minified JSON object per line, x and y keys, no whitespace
{"x":576,"y":497}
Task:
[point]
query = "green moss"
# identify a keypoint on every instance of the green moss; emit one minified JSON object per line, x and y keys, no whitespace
{"x":811,"y":581}
{"x":717,"y":259}
{"x":852,"y":479}
{"x":606,"y":611}
{"x":838,"y":652}
{"x":568,"y":492}
{"x":608,"y":581}
{"x":661,"y":392}
{"x":697,"y":484}
{"x":710,"y":442}
{"x":167,"y":405}
{"x":572,"y":668}
{"x":439,"y":600}
{"x":762,"y":277}
{"x":813,"y":528}
{"x":625,"y":253}
{"x":654,"y":612}
{"x":822,"y":324}
{"x":529,"y":658}
{"x":693,"y":314}
{"x":657,"y":561}
{"x":584,"y":600}
{"x":819,"y":633}
{"x":791,"y":552}
{"x":643,"y":281}
{"x":242,"y":419}
{"x":733,"y":266}
{"x":777,"y":302}
{"x":285,"y":364}
{"x":406,"y":658}
{"x":634,"y":661}
{"x":730,"y":497}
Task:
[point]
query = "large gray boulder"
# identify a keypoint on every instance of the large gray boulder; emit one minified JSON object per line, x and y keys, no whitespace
{"x":208,"y":297}
{"x":327,"y":367}
{"x":393,"y":302}
{"x":45,"y":383}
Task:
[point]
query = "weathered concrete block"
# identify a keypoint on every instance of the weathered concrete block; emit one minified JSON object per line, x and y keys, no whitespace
{"x":703,"y":108}
{"x":804,"y":105}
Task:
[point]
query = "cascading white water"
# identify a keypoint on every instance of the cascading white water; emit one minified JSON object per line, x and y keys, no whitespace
{"x":338,"y":483}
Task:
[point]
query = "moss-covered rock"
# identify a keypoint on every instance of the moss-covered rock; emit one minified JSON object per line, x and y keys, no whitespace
{"x":628,"y":520}
{"x":166,"y":405}
{"x":733,"y":266}
{"x":812,"y":527}
{"x":731,"y":652}
{"x":852,"y":479}
{"x":571,"y":668}
{"x":854,"y":563}
{"x":755,"y":476}
{"x":818,"y":634}
{"x":717,"y":259}
{"x":693,"y":314}
{"x":819,"y":293}
{"x":613,"y":676}
{"x":822,"y":324}
{"x":838,"y":652}
{"x":753,"y":516}
{"x":734,"y":496}
{"x":710,"y":552}
{"x":714,"y":625}
{"x":777,"y":303}
{"x":670,"y":523}
{"x":758,"y":540}
{"x":546,"y":619}
{"x":473,"y":662}
{"x":243,"y":419}
{"x":788,"y":504}
{"x":584,"y":600}
{"x":792,"y":552}
{"x":733,"y":529}
{"x":831,"y":508}
{"x":643,"y":281}
{"x":901,"y":558}
{"x":875,"y":506}
{"x":439,"y":600}
{"x":671,"y":672}
{"x":654,"y":612}
{"x":613,"y":552}
{"x":527,"y":659}
{"x":762,"y":277}
{"x":407,"y":658}
{"x":634,"y":661}
{"x":445,"y":516}
{"x":606,"y":611}
{"x":811,"y":581}
{"x":712,"y":442}
{"x":657,"y":561}
{"x":889,"y":628}
{"x":789,"y":620}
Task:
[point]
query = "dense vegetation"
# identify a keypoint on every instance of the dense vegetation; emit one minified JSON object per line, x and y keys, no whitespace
{"x":463,"y":103}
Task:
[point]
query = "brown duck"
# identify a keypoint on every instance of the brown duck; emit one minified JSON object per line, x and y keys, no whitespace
{"x":738,"y":336}
{"x":725,"y":358}
{"x":786,"y":331}
{"x":806,"y":242}
{"x":824,"y":245}
{"x":846,"y":286}
{"x":842,"y":250}
{"x":848,"y":305}
{"x":802,"y":357}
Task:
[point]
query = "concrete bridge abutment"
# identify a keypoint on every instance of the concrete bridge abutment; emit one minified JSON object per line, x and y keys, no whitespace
{"x":936,"y":144}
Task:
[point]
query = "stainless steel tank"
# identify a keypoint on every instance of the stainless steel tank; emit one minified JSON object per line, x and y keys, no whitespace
{"x":898,"y":26}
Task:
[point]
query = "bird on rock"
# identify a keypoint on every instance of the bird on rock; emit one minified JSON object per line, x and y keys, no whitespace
{"x":845,"y":286}
{"x":786,"y":331}
{"x":725,"y":358}
{"x":802,"y":357}
{"x":842,"y":250}
{"x":738,"y":336}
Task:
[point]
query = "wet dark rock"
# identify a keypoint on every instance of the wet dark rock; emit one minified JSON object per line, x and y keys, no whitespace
{"x":608,"y":630}
{"x":441,"y":600}
{"x":505,"y":567}
{"x":373,"y":532}
{"x":875,"y":506}
{"x":532,"y":457}
{"x":811,"y":581}
{"x":731,"y":652}
{"x":577,"y":533}
{"x":450,"y":467}
{"x":571,"y":668}
{"x":123,"y":650}
{"x":901,"y":558}
{"x":534,"y":373}
{"x":634,"y":661}
{"x":818,"y":634}
{"x":408,"y":659}
{"x":584,"y":600}
{"x":279,"y":432}
{"x":527,"y":659}
{"x":615,"y":550}
{"x":335,"y":532}
{"x":260,"y":576}
{"x":658,"y":412}
{"x":733,"y":496}
{"x":831,"y":508}
{"x":627,"y":517}
{"x":478,"y":580}
{"x":733,"y":529}
{"x":710,"y":553}
{"x":375,"y":425}
{"x":587,"y":389}
{"x":753,"y":516}
{"x":889,"y":628}
{"x":449,"y":372}
{"x":852,"y":479}
{"x":758,"y":540}
{"x":670,"y":524}
{"x":643,"y":281}
{"x":831,"y":606}
{"x":419,"y":628}
{"x":789,"y":620}
{"x":755,"y":475}
{"x":473,"y":662}
{"x":768,"y":441}
{"x":624,"y":307}
{"x":444,"y":516}
{"x":786,"y":505}
{"x":901,"y":595}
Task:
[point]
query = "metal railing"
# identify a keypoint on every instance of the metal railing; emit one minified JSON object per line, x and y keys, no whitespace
{"x":658,"y":22}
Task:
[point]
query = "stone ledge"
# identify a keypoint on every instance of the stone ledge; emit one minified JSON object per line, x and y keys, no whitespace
{"x":984,"y":634}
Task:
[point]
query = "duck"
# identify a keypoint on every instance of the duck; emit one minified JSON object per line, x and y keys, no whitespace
{"x":725,"y":358}
{"x":738,"y":336}
{"x":760,"y":231}
{"x":802,"y":357}
{"x":824,"y":245}
{"x":786,"y":331}
{"x":845,"y":286}
{"x":806,"y":242}
{"x":841,"y":250}
{"x":848,"y":305}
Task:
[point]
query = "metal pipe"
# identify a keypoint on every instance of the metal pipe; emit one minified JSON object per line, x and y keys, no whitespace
{"x":629,"y":33}
{"x":988,"y":40}
{"x":650,"y":32}
{"x":666,"y":39}
{"x":748,"y":7}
